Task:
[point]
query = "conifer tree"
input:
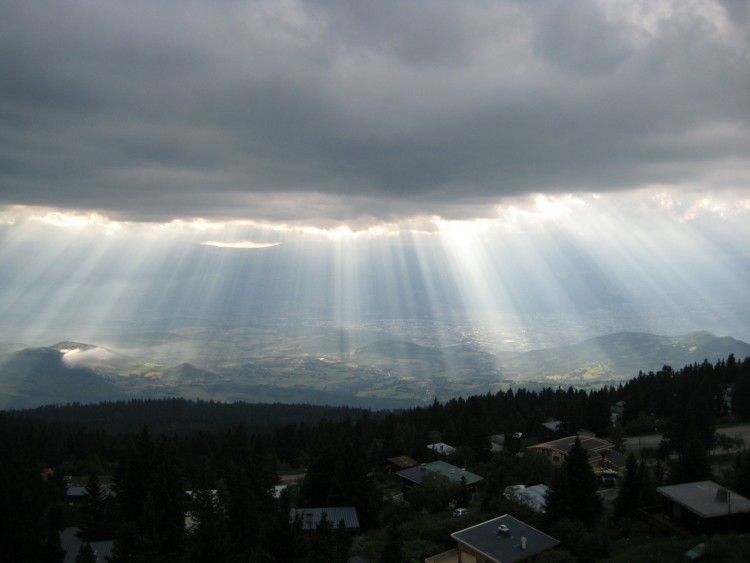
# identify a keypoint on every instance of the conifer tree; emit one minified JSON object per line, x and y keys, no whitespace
{"x":95,"y":523}
{"x":574,"y":489}
{"x":86,"y":554}
{"x":626,"y":504}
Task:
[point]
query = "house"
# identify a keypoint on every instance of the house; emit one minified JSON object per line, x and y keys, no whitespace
{"x":276,"y":491}
{"x":311,"y":517}
{"x":504,"y":539}
{"x":441,"y":448}
{"x":76,"y":493}
{"x":401,"y":462}
{"x":555,"y":428}
{"x":497,"y":442}
{"x":535,"y":497}
{"x":702,"y":507}
{"x":601,"y":454}
{"x":413,"y":476}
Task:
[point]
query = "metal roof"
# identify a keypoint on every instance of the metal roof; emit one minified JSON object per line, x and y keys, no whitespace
{"x":403,"y":461}
{"x":310,"y":517}
{"x":487,"y":539}
{"x":415,"y":474}
{"x":704,"y":499}
{"x":564,"y":444}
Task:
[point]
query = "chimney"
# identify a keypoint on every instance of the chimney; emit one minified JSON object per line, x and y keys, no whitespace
{"x":523,"y":542}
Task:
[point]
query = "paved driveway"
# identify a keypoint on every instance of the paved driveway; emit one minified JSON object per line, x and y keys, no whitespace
{"x":636,"y":443}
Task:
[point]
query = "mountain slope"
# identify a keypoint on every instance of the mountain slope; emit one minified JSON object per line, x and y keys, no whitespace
{"x":38,"y":376}
{"x":384,"y":372}
{"x":624,"y":354}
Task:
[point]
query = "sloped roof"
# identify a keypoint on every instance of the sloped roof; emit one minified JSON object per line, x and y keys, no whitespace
{"x":442,"y":448}
{"x":403,"y":461}
{"x":703,"y":498}
{"x":588,"y":443}
{"x":310,"y":517}
{"x":415,"y":474}
{"x":594,"y":447}
{"x":506,"y":547}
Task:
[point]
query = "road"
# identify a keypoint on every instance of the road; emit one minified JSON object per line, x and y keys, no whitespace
{"x":637,"y":443}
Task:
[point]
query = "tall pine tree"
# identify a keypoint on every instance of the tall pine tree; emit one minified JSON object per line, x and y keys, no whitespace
{"x":574,"y":489}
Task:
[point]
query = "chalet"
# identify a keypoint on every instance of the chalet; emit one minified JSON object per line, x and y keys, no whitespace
{"x":413,"y":476}
{"x":441,"y":448}
{"x":504,"y":539}
{"x":535,"y":497}
{"x":311,"y":517}
{"x":401,"y":462}
{"x":601,"y":454}
{"x":554,"y":428}
{"x":704,"y":507}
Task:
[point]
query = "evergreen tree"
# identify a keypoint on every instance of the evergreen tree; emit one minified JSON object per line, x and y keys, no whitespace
{"x":86,"y":554}
{"x":322,"y":544}
{"x":206,"y":537}
{"x":627,"y":502}
{"x":742,"y":474}
{"x":692,"y":464}
{"x":574,"y":489}
{"x":393,"y":548}
{"x":95,"y":514}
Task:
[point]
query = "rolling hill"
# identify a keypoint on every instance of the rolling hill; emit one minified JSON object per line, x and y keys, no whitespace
{"x":382,"y":373}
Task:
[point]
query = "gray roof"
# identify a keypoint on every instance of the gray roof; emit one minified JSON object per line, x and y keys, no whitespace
{"x":310,"y":517}
{"x":486,"y":539}
{"x":415,"y":474}
{"x":703,"y":498}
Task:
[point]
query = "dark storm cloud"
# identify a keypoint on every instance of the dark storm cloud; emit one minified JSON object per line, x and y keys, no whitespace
{"x":295,"y":111}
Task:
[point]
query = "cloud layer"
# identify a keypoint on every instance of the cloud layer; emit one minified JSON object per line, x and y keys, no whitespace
{"x":357,"y":113}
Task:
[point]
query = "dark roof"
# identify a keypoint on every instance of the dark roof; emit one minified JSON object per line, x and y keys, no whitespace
{"x":310,"y":517}
{"x":415,"y":474}
{"x":403,"y":461}
{"x":506,"y":547}
{"x":75,"y":491}
{"x":703,"y":498}
{"x":615,"y":458}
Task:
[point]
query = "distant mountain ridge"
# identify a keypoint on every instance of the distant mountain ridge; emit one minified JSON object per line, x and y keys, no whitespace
{"x":624,"y":354}
{"x":383,"y":373}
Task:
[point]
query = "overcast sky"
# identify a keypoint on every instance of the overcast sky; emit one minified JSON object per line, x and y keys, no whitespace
{"x":356,"y":113}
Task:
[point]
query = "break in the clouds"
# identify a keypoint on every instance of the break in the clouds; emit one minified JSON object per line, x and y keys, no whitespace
{"x":329,"y":113}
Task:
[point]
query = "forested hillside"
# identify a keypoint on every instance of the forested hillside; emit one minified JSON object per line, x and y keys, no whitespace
{"x":152,"y":452}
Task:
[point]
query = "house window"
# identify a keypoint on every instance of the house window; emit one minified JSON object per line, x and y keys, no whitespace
{"x":555,"y":458}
